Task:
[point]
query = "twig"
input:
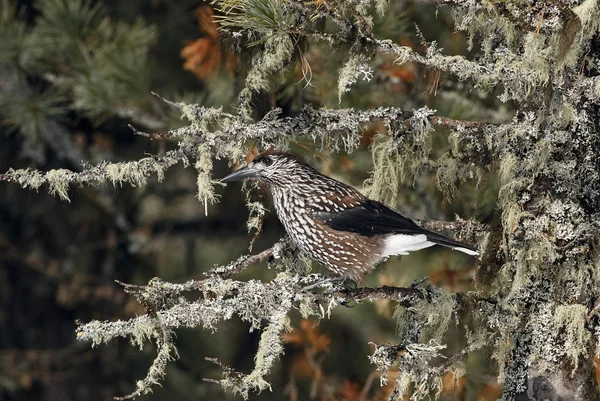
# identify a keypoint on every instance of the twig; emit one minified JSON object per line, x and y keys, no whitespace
{"x":457,"y":65}
{"x":152,"y":137}
{"x":140,"y":117}
{"x":239,"y":265}
{"x":404,"y":296}
{"x":169,"y":102}
{"x":368,"y":385}
{"x":130,"y":288}
{"x":259,"y":229}
{"x":326,"y":12}
{"x":594,"y":311}
{"x":443,"y":368}
{"x":452,"y":123}
{"x":470,"y":226}
{"x":539,"y":25}
{"x":166,"y":353}
{"x":117,"y":173}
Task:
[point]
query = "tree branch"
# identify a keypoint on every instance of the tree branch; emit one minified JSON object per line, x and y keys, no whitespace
{"x":253,"y":301}
{"x":135,"y":173}
{"x":221,"y":298}
{"x":241,"y":264}
{"x":404,"y":296}
{"x":309,"y":122}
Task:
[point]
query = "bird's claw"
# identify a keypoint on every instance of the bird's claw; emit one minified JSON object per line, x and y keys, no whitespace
{"x":346,"y":304}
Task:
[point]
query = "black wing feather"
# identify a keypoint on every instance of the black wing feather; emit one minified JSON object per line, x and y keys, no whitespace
{"x":373,"y":218}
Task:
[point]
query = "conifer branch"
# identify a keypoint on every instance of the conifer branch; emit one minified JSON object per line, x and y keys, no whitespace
{"x":253,"y":301}
{"x":135,"y":173}
{"x":308,"y":122}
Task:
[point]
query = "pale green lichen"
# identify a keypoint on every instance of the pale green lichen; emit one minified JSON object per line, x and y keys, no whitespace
{"x":413,"y":367}
{"x":204,"y":181}
{"x":500,"y":352}
{"x":202,"y":117}
{"x":449,"y":171}
{"x":548,"y":246}
{"x":256,"y":207}
{"x":129,"y":172}
{"x":545,"y":338}
{"x":354,"y":69}
{"x":490,"y":30}
{"x":257,"y":211}
{"x":270,"y":347}
{"x":536,"y":254}
{"x":588,"y":13}
{"x":276,"y":55}
{"x":99,"y":332}
{"x":278,"y":50}
{"x":401,"y":386}
{"x":433,"y":314}
{"x":142,"y":331}
{"x":58,"y":182}
{"x":572,"y":320}
{"x":308,"y":308}
{"x":28,"y":178}
{"x":388,"y":170}
{"x":512,"y":211}
{"x":399,"y":156}
{"x":381,"y":6}
{"x":166,"y":352}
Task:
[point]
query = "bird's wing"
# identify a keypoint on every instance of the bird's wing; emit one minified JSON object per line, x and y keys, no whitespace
{"x":370,"y":218}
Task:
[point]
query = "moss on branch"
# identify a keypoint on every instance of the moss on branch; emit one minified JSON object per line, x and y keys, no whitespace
{"x":222,"y":298}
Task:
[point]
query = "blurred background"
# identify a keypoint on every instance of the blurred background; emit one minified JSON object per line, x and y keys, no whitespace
{"x":73,"y":74}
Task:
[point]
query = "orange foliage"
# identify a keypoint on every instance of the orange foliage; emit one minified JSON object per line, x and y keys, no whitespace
{"x":452,"y":385}
{"x":251,"y":154}
{"x":315,"y":346}
{"x":399,"y":75}
{"x":350,"y":391}
{"x":367,"y":136}
{"x":449,"y":279}
{"x":490,"y":392}
{"x":308,"y":337}
{"x":203,"y":56}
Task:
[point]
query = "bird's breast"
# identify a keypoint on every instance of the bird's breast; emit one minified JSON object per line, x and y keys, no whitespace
{"x":345,"y":253}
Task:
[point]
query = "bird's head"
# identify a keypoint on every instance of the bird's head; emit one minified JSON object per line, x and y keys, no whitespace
{"x":274,"y":168}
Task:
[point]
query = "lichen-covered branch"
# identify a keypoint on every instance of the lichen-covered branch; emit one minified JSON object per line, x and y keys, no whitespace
{"x":135,"y":173}
{"x":240,"y":264}
{"x":537,"y":281}
{"x":217,"y":133}
{"x":165,"y":353}
{"x":339,"y":128}
{"x":222,"y":298}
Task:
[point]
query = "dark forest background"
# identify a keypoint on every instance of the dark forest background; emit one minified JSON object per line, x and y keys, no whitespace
{"x":73,"y":75}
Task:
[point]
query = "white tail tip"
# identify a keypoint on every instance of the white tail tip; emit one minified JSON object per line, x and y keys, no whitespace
{"x":467,"y":251}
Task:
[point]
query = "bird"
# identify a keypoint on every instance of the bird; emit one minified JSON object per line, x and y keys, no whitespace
{"x":334,"y":223}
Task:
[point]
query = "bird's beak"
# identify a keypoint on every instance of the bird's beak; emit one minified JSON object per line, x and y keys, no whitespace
{"x":239,"y":175}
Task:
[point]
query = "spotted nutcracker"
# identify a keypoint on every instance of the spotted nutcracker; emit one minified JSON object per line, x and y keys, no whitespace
{"x":334,"y":223}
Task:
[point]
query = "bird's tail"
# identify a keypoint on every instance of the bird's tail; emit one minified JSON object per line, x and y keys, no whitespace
{"x":449,"y":243}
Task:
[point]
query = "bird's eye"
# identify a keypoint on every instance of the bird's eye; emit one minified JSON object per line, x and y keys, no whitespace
{"x":266,"y":160}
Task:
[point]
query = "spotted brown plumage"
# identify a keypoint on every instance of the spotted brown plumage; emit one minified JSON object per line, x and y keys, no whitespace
{"x":334,"y":223}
